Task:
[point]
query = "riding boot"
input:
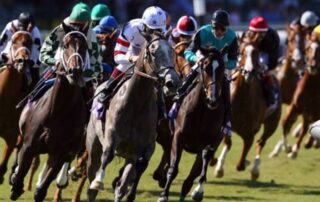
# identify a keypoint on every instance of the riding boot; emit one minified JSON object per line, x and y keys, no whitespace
{"x":105,"y":93}
{"x":228,"y":108}
{"x":181,"y":93}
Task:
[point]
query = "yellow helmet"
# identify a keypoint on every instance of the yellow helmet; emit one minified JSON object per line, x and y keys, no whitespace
{"x":316,"y":30}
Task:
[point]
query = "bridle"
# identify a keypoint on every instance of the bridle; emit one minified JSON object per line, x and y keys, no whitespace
{"x":182,"y":67}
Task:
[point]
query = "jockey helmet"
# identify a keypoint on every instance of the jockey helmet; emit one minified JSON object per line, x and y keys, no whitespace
{"x":81,"y":5}
{"x":258,"y":24}
{"x":309,"y":19}
{"x":221,"y":17}
{"x":316,"y":31}
{"x":99,"y":11}
{"x":107,"y":24}
{"x":79,"y":16}
{"x":24,"y":20}
{"x":187,"y":25}
{"x":154,"y":18}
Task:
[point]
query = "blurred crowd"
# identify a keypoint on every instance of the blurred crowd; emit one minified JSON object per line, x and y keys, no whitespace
{"x":49,"y":13}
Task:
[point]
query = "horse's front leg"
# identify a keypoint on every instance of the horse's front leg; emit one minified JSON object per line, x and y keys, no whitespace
{"x":176,"y":151}
{"x":305,"y":126}
{"x":219,"y":171}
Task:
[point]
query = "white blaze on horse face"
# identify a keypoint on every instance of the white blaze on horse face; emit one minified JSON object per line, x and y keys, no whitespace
{"x":215,"y":65}
{"x":297,"y":55}
{"x":248,"y":66}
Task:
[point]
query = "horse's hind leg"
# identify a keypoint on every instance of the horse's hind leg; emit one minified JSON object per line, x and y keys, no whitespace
{"x":25,"y":158}
{"x":122,"y":184}
{"x":194,"y":173}
{"x":247,"y":143}
{"x":77,"y":194}
{"x":160,"y":173}
{"x":305,"y":125}
{"x":8,"y":149}
{"x":34,"y":166}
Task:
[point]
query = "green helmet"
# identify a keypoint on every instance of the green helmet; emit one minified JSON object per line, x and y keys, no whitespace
{"x":99,"y":11}
{"x":79,"y":15}
{"x":82,"y":5}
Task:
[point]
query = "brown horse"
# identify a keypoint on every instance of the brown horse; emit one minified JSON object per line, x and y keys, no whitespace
{"x":198,"y":125}
{"x":131,"y":123}
{"x":55,"y":123}
{"x":288,"y":74}
{"x":305,"y":99}
{"x":13,"y":87}
{"x":164,"y":137}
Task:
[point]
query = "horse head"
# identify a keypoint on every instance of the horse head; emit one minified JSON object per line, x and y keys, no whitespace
{"x":249,"y":58}
{"x":74,"y":56}
{"x":181,"y":65}
{"x":295,"y":46}
{"x":313,"y":55}
{"x":212,"y":73}
{"x":157,"y":62}
{"x":107,"y":43}
{"x":20,"y":51}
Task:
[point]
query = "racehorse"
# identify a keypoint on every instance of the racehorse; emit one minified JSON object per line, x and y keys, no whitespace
{"x":249,"y":107}
{"x":13,"y":87}
{"x":131,"y":122}
{"x":305,"y":98}
{"x":164,"y":138}
{"x":198,"y":125}
{"x":55,"y":123}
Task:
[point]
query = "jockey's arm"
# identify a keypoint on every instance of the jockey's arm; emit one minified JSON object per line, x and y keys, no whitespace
{"x":49,"y":49}
{"x":36,"y":46}
{"x":95,"y":57}
{"x":120,"y":51}
{"x":5,"y":36}
{"x":232,"y":54}
{"x":190,"y":52}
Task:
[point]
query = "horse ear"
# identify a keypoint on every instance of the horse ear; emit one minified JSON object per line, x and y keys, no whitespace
{"x":65,"y":27}
{"x":146,"y":36}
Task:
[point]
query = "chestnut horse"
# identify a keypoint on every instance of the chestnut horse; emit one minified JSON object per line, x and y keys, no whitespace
{"x":164,"y":138}
{"x":131,"y":122}
{"x":198,"y":125}
{"x":13,"y":87}
{"x":305,"y":99}
{"x":249,"y":108}
{"x":55,"y":123}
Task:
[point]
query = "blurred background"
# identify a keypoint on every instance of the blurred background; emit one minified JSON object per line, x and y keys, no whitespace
{"x":49,"y":13}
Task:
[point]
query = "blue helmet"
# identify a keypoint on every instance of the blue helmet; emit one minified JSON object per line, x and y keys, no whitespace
{"x":97,"y":29}
{"x":108,"y":24}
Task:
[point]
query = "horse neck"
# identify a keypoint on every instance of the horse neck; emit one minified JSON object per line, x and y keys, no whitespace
{"x":11,"y":82}
{"x":64,"y":95}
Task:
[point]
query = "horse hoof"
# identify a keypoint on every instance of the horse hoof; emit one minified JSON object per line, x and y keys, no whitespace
{"x":197,"y":196}
{"x":96,"y":185}
{"x":16,"y":194}
{"x":219,"y":173}
{"x":157,"y":176}
{"x":254,"y":176}
{"x":27,"y":188}
{"x":213,"y":162}
{"x":293,"y":155}
{"x":163,"y":199}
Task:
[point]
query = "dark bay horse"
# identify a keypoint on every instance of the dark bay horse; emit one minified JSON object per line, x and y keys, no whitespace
{"x":249,"y":108}
{"x":13,"y":87}
{"x":164,"y":138}
{"x":131,"y":122}
{"x":305,"y":100}
{"x":198,"y":125}
{"x":55,"y":123}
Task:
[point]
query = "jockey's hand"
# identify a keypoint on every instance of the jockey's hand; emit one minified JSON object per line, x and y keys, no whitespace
{"x":200,"y":60}
{"x":133,"y":58}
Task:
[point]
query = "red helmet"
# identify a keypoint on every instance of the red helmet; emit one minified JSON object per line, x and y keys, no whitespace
{"x":187,"y":25}
{"x":258,"y":24}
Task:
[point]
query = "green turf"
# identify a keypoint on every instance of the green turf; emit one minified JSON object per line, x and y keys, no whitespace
{"x":281,"y":179}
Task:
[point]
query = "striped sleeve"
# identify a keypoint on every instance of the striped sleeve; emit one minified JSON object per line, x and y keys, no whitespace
{"x":49,"y":48}
{"x":121,"y":50}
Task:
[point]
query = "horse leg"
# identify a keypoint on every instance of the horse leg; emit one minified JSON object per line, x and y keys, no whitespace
{"x":218,"y":172}
{"x":126,"y":177}
{"x":141,"y":166}
{"x":176,"y":151}
{"x":207,"y":154}
{"x":160,"y":173}
{"x":8,"y":149}
{"x":16,"y":153}
{"x":76,"y":171}
{"x":303,"y":131}
{"x":25,"y":158}
{"x":194,"y":173}
{"x":34,"y":166}
{"x":57,"y":195}
{"x":54,"y":165}
{"x":247,"y":143}
{"x":77,"y":194}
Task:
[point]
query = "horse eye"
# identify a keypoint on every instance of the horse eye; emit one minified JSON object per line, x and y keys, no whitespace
{"x":20,"y":60}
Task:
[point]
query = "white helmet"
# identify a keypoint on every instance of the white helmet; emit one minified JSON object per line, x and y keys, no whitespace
{"x":309,"y":19}
{"x":155,"y":18}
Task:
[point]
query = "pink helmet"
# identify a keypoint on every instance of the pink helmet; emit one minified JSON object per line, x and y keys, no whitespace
{"x":258,"y":24}
{"x":187,"y":25}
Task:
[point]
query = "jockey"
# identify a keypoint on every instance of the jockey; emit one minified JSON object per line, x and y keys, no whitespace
{"x":25,"y":22}
{"x":219,"y":35}
{"x":185,"y":29}
{"x":82,"y":5}
{"x":77,"y":21}
{"x":129,"y":45}
{"x":268,"y":42}
{"x":309,"y":20}
{"x":107,"y":30}
{"x":98,"y":12}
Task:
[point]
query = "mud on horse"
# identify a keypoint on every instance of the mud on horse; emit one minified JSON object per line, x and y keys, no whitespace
{"x":13,"y":87}
{"x":198,"y":125}
{"x":305,"y":98}
{"x":131,"y":123}
{"x":55,"y":123}
{"x":164,"y":137}
{"x":249,"y":107}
